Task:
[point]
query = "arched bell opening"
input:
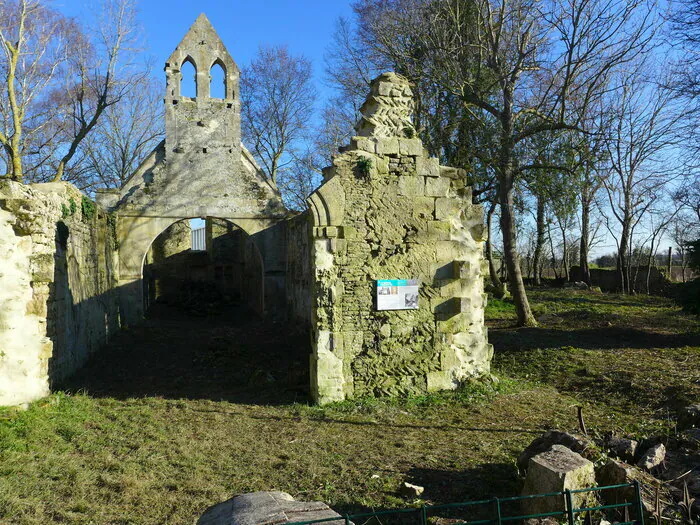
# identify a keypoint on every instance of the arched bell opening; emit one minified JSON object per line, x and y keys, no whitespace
{"x":217,"y":82}
{"x":188,"y":78}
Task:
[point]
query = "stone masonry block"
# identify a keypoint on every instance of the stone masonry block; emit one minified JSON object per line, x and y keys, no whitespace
{"x":439,"y":230}
{"x":387,"y":146}
{"x":556,"y":470}
{"x":441,"y":380}
{"x":446,"y":208}
{"x":437,"y":186}
{"x":411,"y":147}
{"x":363,"y":144}
{"x":428,"y":166}
{"x":411,"y":186}
{"x":423,"y":207}
{"x":448,"y":250}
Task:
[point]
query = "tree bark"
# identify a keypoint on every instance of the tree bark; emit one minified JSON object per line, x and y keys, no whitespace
{"x":623,"y":259}
{"x":499,"y":288}
{"x":539,"y":243}
{"x":505,"y":190}
{"x":585,"y":233}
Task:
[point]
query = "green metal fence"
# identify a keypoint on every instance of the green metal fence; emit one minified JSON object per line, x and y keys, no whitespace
{"x":496,"y":509}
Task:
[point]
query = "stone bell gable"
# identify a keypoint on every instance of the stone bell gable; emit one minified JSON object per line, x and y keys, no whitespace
{"x":388,"y":211}
{"x":201,"y":166}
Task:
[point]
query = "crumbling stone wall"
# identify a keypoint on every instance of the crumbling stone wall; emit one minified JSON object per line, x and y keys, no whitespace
{"x":58,"y":297}
{"x":388,"y":211}
{"x":298,"y":272}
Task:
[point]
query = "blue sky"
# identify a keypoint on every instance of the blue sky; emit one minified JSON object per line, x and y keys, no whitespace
{"x":305,"y":26}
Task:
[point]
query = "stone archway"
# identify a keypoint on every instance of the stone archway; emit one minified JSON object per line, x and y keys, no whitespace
{"x":226,"y":269}
{"x":201,"y":169}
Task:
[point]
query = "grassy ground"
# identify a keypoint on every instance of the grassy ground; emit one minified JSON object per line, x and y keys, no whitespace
{"x":158,"y":430}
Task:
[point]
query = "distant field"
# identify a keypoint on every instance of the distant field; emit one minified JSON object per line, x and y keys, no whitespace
{"x":159,"y":434}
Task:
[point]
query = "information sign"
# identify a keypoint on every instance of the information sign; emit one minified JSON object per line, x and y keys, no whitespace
{"x":397,"y":294}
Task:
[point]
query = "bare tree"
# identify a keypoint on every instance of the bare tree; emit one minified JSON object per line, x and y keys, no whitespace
{"x":127,"y":133}
{"x":277,"y":99}
{"x":524,"y":67}
{"x":36,"y":43}
{"x":60,"y":79}
{"x":644,"y":129}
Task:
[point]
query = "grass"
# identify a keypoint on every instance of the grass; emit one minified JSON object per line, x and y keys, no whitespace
{"x":144,"y":438}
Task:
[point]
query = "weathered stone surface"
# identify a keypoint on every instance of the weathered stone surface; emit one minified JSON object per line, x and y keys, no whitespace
{"x":410,"y":219}
{"x":653,"y":457}
{"x":689,"y":417}
{"x":622,"y":447}
{"x":58,"y":301}
{"x":201,"y":169}
{"x":408,"y":490}
{"x":575,"y":442}
{"x":266,"y":508}
{"x":617,"y":473}
{"x":556,"y":470}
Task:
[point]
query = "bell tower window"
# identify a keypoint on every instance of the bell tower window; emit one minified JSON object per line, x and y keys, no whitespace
{"x":188,"y":82}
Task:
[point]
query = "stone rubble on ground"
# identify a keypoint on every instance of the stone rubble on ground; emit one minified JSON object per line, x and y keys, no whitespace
{"x":556,"y":470}
{"x":653,"y":457}
{"x":408,"y":490}
{"x":574,"y":442}
{"x":622,"y":447}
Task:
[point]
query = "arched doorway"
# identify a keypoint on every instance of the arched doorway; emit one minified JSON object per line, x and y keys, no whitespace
{"x":201,"y":264}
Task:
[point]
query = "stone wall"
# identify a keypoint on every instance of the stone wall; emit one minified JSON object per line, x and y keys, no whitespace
{"x":299,"y":269}
{"x":388,"y":211}
{"x":58,"y":297}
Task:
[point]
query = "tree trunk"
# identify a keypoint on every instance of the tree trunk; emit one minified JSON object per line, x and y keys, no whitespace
{"x":505,"y":190}
{"x":539,"y":242}
{"x":622,"y":259}
{"x":499,"y":288}
{"x":583,"y":249}
{"x":565,"y":256}
{"x":551,"y":247}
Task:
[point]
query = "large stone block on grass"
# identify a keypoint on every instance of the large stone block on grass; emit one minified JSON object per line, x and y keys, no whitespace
{"x":556,"y":470}
{"x":267,"y":508}
{"x":575,"y":442}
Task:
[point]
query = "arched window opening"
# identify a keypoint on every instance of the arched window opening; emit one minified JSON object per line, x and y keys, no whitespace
{"x":217,"y":88}
{"x":188,"y":84}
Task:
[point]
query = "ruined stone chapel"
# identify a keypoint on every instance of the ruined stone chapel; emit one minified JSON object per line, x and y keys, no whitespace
{"x":384,"y":269}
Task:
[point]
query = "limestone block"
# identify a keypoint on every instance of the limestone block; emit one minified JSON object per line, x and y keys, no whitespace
{"x":621,"y":447}
{"x":437,"y":187}
{"x":440,"y":380}
{"x":448,"y":250}
{"x":447,"y":208}
{"x":575,"y":442}
{"x":260,"y":508}
{"x":411,"y":147}
{"x":556,"y":470}
{"x":439,"y":230}
{"x":618,"y":473}
{"x":387,"y":146}
{"x":423,"y":208}
{"x":363,"y":144}
{"x":428,"y":166}
{"x":653,"y":457}
{"x":410,"y":186}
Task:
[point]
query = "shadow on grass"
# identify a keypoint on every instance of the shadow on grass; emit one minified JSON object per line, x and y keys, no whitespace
{"x":605,"y":338}
{"x":229,"y":356}
{"x":443,"y":487}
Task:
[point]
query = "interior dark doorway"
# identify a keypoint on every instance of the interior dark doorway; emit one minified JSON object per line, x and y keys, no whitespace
{"x":203,"y":265}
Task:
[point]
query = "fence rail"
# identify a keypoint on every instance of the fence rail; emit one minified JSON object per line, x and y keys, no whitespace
{"x":568,"y":511}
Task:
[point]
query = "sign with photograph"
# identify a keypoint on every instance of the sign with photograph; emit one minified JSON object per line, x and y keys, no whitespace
{"x":397,"y":294}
